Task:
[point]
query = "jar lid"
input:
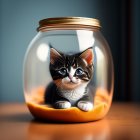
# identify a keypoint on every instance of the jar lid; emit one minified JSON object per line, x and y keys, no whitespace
{"x":60,"y":22}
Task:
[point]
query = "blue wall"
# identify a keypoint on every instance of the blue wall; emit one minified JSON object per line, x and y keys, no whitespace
{"x":18,"y":23}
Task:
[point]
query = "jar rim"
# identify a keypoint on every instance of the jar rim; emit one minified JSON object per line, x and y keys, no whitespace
{"x":68,"y":22}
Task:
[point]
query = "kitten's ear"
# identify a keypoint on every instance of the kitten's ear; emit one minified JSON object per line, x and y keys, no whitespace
{"x":54,"y":55}
{"x":87,"y":55}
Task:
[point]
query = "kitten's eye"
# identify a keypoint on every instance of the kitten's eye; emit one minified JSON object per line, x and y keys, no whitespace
{"x":62,"y":71}
{"x":79,"y":71}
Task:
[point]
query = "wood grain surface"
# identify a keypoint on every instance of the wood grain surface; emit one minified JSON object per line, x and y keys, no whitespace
{"x":121,"y":123}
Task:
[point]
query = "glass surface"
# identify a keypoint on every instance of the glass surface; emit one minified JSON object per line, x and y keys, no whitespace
{"x":37,"y":76}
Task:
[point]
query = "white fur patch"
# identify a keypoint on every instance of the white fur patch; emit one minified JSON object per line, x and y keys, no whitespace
{"x":72,"y":71}
{"x":73,"y":94}
{"x":63,"y":104}
{"x":85,"y":106}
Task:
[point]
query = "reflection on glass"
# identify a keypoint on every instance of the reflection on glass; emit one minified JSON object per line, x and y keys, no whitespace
{"x":85,"y":39}
{"x":42,"y":52}
{"x":100,"y":67}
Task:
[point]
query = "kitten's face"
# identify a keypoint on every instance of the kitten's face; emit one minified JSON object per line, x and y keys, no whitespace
{"x":71,"y":71}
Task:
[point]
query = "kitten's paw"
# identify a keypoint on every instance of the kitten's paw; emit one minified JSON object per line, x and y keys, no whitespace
{"x":62,"y":104}
{"x":85,"y":106}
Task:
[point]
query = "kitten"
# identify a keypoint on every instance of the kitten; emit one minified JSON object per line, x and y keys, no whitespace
{"x":71,"y":75}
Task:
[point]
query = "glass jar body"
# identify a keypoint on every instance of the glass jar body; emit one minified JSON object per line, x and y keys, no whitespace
{"x":38,"y":76}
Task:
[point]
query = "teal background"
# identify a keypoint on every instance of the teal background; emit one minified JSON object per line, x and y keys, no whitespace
{"x":120,"y":22}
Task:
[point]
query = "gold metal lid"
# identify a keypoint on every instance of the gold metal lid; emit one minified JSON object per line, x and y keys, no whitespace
{"x":68,"y":22}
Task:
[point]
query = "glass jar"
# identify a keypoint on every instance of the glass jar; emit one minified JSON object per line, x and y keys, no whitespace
{"x":68,"y":71}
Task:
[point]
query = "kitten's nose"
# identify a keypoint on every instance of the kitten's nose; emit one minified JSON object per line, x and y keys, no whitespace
{"x":70,"y":76}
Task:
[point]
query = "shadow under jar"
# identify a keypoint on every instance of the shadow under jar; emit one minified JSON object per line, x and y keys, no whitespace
{"x":68,"y":71}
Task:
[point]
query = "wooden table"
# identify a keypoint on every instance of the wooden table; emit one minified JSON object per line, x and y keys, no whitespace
{"x":121,"y":123}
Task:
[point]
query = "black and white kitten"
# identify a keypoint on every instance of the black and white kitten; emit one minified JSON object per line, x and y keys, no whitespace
{"x":71,"y":75}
